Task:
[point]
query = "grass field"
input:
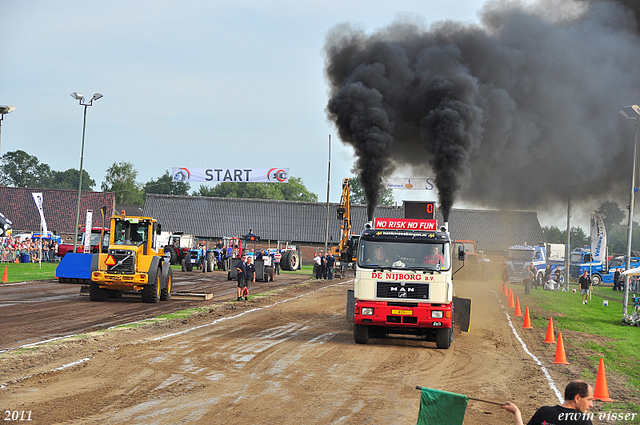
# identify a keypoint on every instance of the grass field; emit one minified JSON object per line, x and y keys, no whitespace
{"x":620,"y":348}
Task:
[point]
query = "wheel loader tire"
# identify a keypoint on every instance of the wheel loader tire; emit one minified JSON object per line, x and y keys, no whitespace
{"x":444,"y":338}
{"x":151,"y":291}
{"x":229,"y":275}
{"x":115,"y":294}
{"x":174,"y":254}
{"x":96,"y":293}
{"x":361,"y":334}
{"x":165,"y":293}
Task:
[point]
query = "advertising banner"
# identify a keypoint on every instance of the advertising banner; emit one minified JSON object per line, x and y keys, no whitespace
{"x":37,"y":198}
{"x":598,"y":239}
{"x":239,"y":175}
{"x":87,"y":231}
{"x":409,"y":183}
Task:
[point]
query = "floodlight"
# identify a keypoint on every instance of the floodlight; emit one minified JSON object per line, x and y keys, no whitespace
{"x":77,"y":96}
{"x":96,"y":96}
{"x":631,"y":112}
{"x":6,"y":109}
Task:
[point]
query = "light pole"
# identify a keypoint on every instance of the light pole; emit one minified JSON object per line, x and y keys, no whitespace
{"x":4,"y":110}
{"x":326,"y":233}
{"x":81,"y":101}
{"x":631,"y":112}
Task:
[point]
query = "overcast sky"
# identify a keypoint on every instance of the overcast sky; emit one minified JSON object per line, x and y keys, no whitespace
{"x":194,"y":84}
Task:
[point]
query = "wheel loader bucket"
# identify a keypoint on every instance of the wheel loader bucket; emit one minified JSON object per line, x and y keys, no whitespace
{"x":462,"y":313}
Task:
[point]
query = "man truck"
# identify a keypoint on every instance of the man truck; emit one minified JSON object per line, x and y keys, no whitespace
{"x":402,"y":286}
{"x":134,"y":262}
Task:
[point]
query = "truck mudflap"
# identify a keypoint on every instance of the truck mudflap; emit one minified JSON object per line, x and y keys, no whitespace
{"x":462,"y":313}
{"x":406,"y":315}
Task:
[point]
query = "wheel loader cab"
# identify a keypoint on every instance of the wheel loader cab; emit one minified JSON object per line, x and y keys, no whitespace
{"x":131,"y":231}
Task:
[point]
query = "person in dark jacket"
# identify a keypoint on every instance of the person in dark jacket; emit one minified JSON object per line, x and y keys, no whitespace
{"x":241,"y":267}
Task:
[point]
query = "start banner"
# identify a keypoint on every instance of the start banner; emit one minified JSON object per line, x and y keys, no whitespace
{"x":239,"y":175}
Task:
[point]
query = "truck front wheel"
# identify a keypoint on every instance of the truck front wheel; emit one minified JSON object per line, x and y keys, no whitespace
{"x":361,"y":334}
{"x":596,"y":280}
{"x":444,"y":338}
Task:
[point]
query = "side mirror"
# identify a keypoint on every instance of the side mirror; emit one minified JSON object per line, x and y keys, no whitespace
{"x":159,"y":229}
{"x":461,"y":253}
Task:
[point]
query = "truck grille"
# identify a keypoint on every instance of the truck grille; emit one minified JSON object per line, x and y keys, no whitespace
{"x":125,"y":261}
{"x":402,"y":290}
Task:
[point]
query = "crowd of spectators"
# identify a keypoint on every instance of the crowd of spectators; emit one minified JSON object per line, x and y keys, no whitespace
{"x":12,"y":250}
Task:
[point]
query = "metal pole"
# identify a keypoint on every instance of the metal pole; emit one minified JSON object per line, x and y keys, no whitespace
{"x":75,"y":233}
{"x":326,"y":234}
{"x":567,"y":250}
{"x":625,"y":299}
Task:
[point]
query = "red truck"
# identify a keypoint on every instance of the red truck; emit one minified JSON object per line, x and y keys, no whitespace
{"x":65,"y":248}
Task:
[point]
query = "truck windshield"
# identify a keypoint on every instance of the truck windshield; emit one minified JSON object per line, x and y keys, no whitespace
{"x":520,"y":255}
{"x":403,"y":255}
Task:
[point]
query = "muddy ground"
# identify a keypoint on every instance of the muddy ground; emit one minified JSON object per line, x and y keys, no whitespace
{"x":285,"y":358}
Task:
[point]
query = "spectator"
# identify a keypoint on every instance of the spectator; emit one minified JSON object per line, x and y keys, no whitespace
{"x":316,"y":267}
{"x":241,"y":268}
{"x":616,"y":280}
{"x":578,"y":399}
{"x":276,"y":261}
{"x":331,"y":262}
{"x":250,"y":277}
{"x":323,"y":266}
{"x":585,"y":286}
{"x":505,"y":275}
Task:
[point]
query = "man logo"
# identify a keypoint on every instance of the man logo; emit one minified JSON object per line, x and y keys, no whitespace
{"x":182,"y":175}
{"x":277,"y":174}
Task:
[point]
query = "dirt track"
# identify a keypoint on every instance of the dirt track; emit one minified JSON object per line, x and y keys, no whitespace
{"x":288,"y":358}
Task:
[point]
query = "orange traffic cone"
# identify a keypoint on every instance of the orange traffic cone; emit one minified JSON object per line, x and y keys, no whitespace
{"x":561,"y":357}
{"x":601,"y":392}
{"x":518,"y":312}
{"x":550,"y":338}
{"x":527,"y":320}
{"x":5,"y":277}
{"x":511,"y":305}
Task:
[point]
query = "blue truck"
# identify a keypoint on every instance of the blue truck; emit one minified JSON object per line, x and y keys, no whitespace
{"x":581,"y":260}
{"x":519,"y":256}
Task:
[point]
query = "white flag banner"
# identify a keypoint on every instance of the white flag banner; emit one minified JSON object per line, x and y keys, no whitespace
{"x":409,"y":183}
{"x":88,"y":224}
{"x":598,"y":239}
{"x":239,"y":175}
{"x":37,"y":198}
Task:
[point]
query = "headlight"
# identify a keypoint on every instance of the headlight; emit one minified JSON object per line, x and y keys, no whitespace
{"x":436,"y":314}
{"x":367,"y":311}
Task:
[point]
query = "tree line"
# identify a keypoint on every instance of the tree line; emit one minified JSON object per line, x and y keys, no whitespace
{"x":617,"y":230}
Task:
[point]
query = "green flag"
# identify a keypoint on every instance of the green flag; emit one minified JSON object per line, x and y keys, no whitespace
{"x":441,"y":407}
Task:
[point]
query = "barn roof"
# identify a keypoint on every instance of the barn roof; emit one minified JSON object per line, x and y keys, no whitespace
{"x":59,"y":207}
{"x":304,"y":222}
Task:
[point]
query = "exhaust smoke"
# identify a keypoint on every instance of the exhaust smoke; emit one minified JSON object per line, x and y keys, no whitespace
{"x":514,"y":113}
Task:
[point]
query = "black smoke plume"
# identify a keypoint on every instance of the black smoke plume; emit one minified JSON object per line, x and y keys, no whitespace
{"x":516,"y":112}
